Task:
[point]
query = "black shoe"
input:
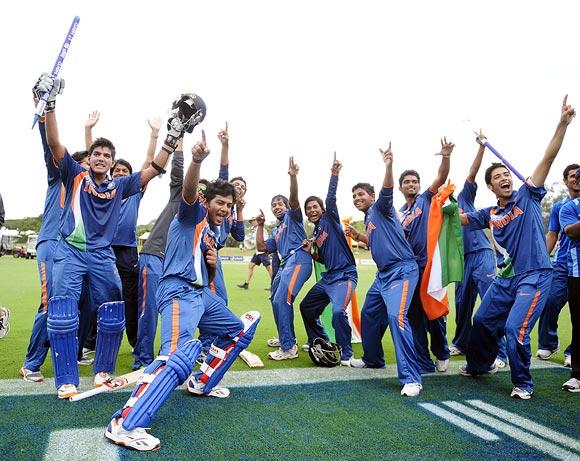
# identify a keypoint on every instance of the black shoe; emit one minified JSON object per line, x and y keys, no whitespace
{"x":244,"y":285}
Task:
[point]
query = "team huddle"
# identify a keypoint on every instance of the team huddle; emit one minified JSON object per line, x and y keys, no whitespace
{"x":95,"y":284}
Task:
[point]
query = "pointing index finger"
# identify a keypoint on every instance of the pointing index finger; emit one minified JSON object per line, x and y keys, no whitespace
{"x":203,"y":137}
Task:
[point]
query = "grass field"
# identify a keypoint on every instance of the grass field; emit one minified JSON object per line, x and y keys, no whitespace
{"x":289,"y":410}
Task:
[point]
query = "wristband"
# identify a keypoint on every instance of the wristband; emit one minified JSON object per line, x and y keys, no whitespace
{"x":158,"y":168}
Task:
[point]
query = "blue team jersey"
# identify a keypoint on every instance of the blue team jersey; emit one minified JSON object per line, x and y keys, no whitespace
{"x":415,"y":220}
{"x":561,"y":253}
{"x":230,"y":225}
{"x":91,"y":211}
{"x":54,"y":201}
{"x":517,"y":231}
{"x":289,"y":235}
{"x":126,"y":233}
{"x":183,"y":256}
{"x":570,"y":214}
{"x":385,"y":233}
{"x":329,"y":238}
{"x":473,"y":240}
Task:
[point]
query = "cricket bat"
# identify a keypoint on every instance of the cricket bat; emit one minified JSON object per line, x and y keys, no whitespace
{"x":252,"y":360}
{"x":114,"y":384}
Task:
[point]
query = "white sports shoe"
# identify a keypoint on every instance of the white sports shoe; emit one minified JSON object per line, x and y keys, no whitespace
{"x":138,"y":438}
{"x":305,"y":347}
{"x":572,"y":385}
{"x":4,"y":321}
{"x":492,"y":370}
{"x":31,"y":376}
{"x":411,"y":390}
{"x":274,"y":342}
{"x":66,"y":391}
{"x":442,"y":365}
{"x":545,"y":354}
{"x":86,"y":360}
{"x":454,"y":350}
{"x":499,"y":363}
{"x":354,"y":363}
{"x":281,"y":354}
{"x":196,"y":388}
{"x":568,"y":361}
{"x":521,"y":393}
{"x":101,"y":378}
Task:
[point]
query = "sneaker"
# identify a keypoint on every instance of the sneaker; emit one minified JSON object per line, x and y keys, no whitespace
{"x":86,"y":360}
{"x":101,"y":378}
{"x":31,"y":376}
{"x":411,"y":390}
{"x":196,"y":387}
{"x":244,"y":285}
{"x":465,"y":372}
{"x":137,"y":439}
{"x":274,"y":342}
{"x":354,"y":363}
{"x":521,"y":393}
{"x":499,"y":363}
{"x":87,"y":351}
{"x":568,"y":361}
{"x":572,"y":385}
{"x":4,"y":321}
{"x":305,"y":347}
{"x":546,"y":354}
{"x":281,"y":354}
{"x":66,"y":391}
{"x":442,"y":365}
{"x":454,"y":350}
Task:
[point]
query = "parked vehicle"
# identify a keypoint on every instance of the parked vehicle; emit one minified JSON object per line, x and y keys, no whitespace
{"x":31,"y":246}
{"x":19,"y":252}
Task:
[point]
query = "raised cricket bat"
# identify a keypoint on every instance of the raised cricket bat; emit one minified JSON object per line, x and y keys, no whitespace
{"x":252,"y":360}
{"x":114,"y":384}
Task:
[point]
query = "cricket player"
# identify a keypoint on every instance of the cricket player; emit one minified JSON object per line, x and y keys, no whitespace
{"x":388,"y":299}
{"x":516,"y":297}
{"x":295,"y":263}
{"x":189,"y":266}
{"x":259,"y":258}
{"x":414,"y":217}
{"x":548,"y":344}
{"x":338,"y":282}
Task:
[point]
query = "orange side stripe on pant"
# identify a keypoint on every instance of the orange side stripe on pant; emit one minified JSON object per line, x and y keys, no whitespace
{"x":144,"y":291}
{"x":348,"y":296}
{"x":292,"y":282}
{"x":212,"y":288}
{"x":43,"y":287}
{"x":402,"y":305}
{"x":527,"y":319}
{"x":174,"y":326}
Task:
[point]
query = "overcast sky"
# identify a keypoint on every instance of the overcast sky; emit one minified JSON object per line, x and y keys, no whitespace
{"x":300,"y":78}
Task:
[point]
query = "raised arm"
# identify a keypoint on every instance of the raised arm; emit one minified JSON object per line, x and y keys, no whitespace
{"x":332,"y":186}
{"x":385,"y":199}
{"x":480,"y":139}
{"x":55,"y":87}
{"x":446,"y":149}
{"x":155,"y":125}
{"x":91,"y":121}
{"x":198,"y":153}
{"x":541,"y":172}
{"x":224,"y":138}
{"x":293,"y":173}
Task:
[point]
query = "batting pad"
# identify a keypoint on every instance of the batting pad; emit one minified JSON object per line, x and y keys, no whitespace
{"x":158,"y":381}
{"x":219,"y":360}
{"x":62,"y":325}
{"x":110,"y":326}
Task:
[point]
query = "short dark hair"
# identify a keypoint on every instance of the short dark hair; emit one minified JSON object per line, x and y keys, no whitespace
{"x":364,"y":186}
{"x":123,"y":162}
{"x":408,"y":173}
{"x":314,"y":198}
{"x":281,"y":197}
{"x":80,"y":155}
{"x":103,"y":142}
{"x":490,"y":169}
{"x":218,"y":187}
{"x":239,"y":178}
{"x":573,"y":166}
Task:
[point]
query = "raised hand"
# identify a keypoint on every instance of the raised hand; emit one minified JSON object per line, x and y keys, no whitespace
{"x":568,"y":112}
{"x":200,"y":151}
{"x":387,"y":155}
{"x":293,"y":168}
{"x":155,"y":125}
{"x":92,"y":119}
{"x":480,"y":139}
{"x":260,"y":219}
{"x":46,"y":83}
{"x":351,"y":232}
{"x":223,"y":136}
{"x":240,"y":203}
{"x":336,"y":166}
{"x":446,"y":148}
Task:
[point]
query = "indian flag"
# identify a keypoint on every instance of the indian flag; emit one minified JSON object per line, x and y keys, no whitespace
{"x":444,"y":253}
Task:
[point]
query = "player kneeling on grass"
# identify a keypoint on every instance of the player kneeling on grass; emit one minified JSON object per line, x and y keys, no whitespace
{"x":189,"y":266}
{"x":388,"y":298}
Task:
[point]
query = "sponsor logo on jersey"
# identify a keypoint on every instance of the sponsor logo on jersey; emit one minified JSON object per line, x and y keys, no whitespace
{"x":499,"y":222}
